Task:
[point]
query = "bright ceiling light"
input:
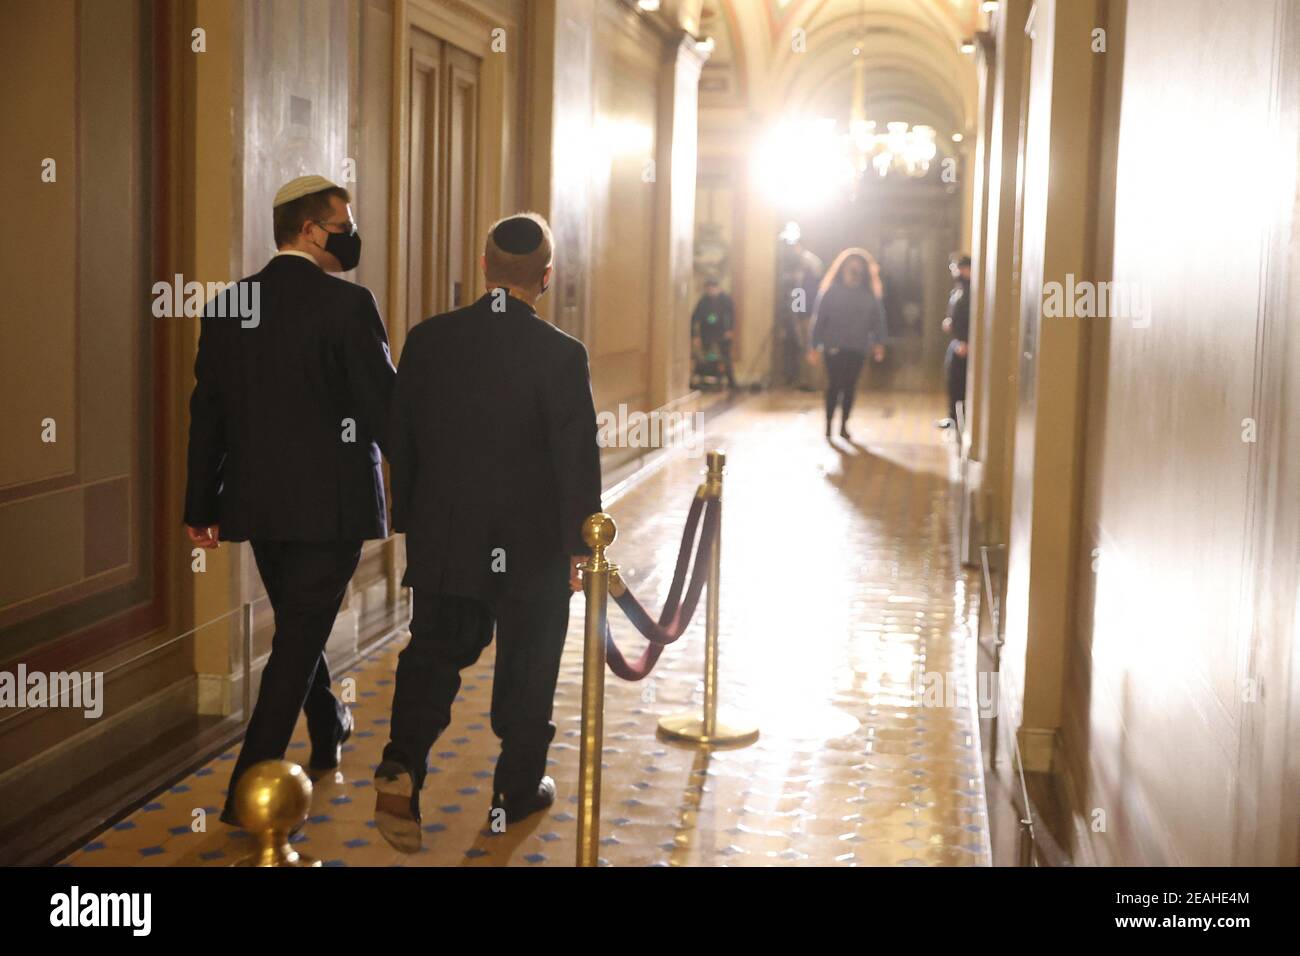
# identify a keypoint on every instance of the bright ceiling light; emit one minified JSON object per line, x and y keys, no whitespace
{"x":649,"y":6}
{"x":989,"y":6}
{"x":799,"y":163}
{"x":957,"y":137}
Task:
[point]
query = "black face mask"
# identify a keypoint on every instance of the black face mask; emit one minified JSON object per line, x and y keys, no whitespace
{"x":344,"y":247}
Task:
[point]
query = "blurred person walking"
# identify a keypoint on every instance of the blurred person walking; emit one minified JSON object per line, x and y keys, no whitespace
{"x":848,"y":323}
{"x":956,"y":323}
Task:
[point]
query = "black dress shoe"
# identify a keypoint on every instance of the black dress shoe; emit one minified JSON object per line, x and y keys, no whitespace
{"x":397,"y":807}
{"x":518,"y":808}
{"x":325,"y":759}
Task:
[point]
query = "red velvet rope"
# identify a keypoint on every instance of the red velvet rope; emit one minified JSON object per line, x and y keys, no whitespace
{"x":675,"y":618}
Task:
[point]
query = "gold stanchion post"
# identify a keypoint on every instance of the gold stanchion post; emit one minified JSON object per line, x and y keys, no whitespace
{"x":706,"y":727}
{"x":599,"y":533}
{"x":272,"y":798}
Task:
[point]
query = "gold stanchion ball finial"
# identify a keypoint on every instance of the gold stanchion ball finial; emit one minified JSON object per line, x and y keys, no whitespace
{"x":716,"y":461}
{"x":599,"y":531}
{"x":272,"y":795}
{"x":272,"y":799}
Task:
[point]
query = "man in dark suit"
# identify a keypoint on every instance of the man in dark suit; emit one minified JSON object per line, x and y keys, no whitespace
{"x":494,"y":466}
{"x":287,"y":410}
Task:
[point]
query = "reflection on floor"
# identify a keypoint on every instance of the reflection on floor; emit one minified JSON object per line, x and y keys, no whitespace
{"x":839,"y":589}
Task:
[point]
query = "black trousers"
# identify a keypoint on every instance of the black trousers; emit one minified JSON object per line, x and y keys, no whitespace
{"x":448,"y":634}
{"x":306,"y":582}
{"x":843,"y":366}
{"x":954,"y":373}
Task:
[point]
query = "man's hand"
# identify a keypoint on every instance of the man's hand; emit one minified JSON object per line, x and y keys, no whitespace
{"x":878,"y":353}
{"x":813,"y":356}
{"x":961,"y":349}
{"x":575,"y":580}
{"x":947,"y":324}
{"x":204,"y":537}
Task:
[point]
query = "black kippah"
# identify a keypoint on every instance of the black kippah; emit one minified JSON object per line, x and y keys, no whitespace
{"x":517,"y":235}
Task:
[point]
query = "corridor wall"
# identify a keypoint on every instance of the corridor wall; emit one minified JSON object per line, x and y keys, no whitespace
{"x":1181,"y":693}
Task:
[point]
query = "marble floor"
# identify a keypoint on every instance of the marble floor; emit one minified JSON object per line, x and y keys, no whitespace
{"x":846,"y":636}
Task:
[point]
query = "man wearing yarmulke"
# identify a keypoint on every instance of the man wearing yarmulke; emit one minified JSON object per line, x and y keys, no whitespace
{"x":286,"y":420}
{"x":494,"y":466}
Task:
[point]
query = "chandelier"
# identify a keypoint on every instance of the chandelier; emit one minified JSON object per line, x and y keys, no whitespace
{"x":903,"y":149}
{"x":804,"y":160}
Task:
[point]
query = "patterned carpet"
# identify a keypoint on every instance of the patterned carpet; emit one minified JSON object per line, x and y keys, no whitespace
{"x":839,"y":590}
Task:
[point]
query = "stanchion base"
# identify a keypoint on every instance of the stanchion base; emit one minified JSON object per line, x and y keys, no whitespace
{"x":730,"y":731}
{"x":291,"y":859}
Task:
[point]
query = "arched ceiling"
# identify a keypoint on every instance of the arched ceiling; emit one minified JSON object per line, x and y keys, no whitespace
{"x":915,"y":70}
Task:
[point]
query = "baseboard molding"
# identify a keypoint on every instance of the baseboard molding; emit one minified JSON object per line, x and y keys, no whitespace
{"x":1037,"y":748}
{"x":56,"y":784}
{"x":1083,"y":852}
{"x":1136,"y":829}
{"x":972,"y":525}
{"x":40,"y":803}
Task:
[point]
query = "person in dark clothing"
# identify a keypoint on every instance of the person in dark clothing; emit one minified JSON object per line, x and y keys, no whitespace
{"x":712,"y":327}
{"x":494,"y":467}
{"x":956,"y":323}
{"x":286,"y":419}
{"x":801,"y":272}
{"x":848,"y":323}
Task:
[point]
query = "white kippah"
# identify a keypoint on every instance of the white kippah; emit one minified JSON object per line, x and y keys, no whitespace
{"x":302,"y":186}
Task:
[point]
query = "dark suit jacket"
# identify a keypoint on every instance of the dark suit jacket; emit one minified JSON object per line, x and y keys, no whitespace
{"x":269,"y":456}
{"x":493,"y":452}
{"x":959,"y":311}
